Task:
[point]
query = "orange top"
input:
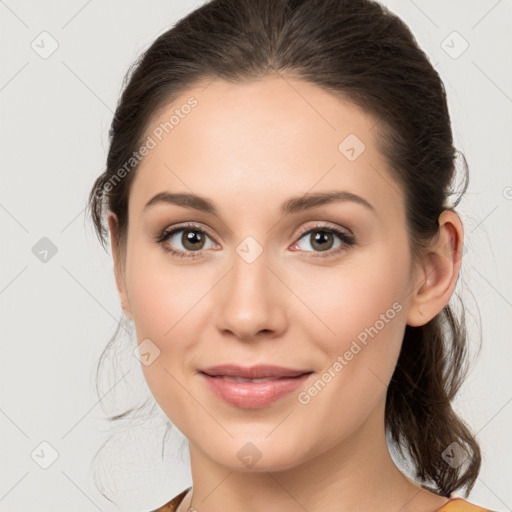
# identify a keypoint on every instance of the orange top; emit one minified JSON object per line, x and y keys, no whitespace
{"x":460,"y":505}
{"x":455,"y":504}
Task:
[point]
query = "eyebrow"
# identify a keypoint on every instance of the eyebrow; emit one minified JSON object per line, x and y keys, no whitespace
{"x":290,"y":206}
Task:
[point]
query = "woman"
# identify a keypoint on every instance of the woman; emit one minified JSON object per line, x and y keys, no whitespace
{"x":247,"y":137}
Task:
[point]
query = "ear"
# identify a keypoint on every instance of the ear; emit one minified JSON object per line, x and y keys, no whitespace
{"x":113,"y":225}
{"x":438,"y":272}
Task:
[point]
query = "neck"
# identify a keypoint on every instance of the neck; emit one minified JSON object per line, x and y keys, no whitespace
{"x":356,"y":475}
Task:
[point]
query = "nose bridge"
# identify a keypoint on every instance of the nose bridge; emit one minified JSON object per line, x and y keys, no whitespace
{"x":250,"y":301}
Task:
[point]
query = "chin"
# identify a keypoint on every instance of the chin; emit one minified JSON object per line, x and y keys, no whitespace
{"x":257,"y":456}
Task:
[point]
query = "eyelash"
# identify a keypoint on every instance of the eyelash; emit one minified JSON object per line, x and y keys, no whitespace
{"x":348,"y":240}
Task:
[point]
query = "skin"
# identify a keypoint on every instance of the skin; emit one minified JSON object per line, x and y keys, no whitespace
{"x":249,"y":147}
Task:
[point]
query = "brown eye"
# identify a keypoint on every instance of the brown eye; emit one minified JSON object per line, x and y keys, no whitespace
{"x":322,"y":239}
{"x":192,"y":240}
{"x":184,"y":241}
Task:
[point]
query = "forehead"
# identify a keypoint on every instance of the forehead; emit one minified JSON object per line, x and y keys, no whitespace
{"x":255,"y":143}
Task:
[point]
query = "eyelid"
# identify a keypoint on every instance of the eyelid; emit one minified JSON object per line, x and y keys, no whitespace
{"x":325,"y":225}
{"x":344,"y":234}
{"x":319,"y":224}
{"x":192,"y":225}
{"x":348,"y":240}
{"x":166,"y":233}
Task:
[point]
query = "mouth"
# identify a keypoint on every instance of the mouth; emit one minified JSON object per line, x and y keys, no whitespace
{"x":240,"y":379}
{"x":253,"y":387}
{"x":253,"y":373}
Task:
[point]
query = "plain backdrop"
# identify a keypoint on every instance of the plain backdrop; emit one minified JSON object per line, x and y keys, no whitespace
{"x":62,"y":66}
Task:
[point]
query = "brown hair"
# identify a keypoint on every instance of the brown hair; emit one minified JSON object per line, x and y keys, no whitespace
{"x":360,"y":50}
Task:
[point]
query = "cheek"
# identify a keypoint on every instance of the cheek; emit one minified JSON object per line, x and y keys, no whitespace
{"x":165,"y":302}
{"x":364,"y":308}
{"x":366,"y":319}
{"x":168,"y":302}
{"x":358,"y":296}
{"x":161,"y":293}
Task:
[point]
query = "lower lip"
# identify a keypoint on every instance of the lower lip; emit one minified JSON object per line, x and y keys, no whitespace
{"x":253,"y":395}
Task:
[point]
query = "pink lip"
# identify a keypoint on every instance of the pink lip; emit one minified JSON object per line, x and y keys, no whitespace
{"x":252,"y":372}
{"x":253,"y":395}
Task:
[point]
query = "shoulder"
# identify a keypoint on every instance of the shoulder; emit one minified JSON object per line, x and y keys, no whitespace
{"x":172,"y":505}
{"x":457,"y":504}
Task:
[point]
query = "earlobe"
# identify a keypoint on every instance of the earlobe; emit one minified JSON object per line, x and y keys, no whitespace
{"x":439,"y":270}
{"x":118,"y":267}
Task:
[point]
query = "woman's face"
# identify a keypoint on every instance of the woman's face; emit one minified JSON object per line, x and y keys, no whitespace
{"x":253,"y":287}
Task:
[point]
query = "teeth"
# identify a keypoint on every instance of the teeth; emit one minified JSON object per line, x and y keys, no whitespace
{"x":238,"y":379}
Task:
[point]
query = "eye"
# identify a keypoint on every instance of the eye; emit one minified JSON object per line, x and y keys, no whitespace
{"x":191,"y":237}
{"x":322,"y":238}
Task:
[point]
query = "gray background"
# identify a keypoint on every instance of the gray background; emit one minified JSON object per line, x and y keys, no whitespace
{"x":60,"y":308}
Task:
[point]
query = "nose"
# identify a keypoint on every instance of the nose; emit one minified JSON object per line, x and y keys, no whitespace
{"x":251,"y":300}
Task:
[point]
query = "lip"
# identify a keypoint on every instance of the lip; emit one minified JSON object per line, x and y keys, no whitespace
{"x":279,"y":381}
{"x":260,"y":371}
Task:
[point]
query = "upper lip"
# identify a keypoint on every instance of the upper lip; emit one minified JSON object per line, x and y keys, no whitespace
{"x":252,"y":372}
